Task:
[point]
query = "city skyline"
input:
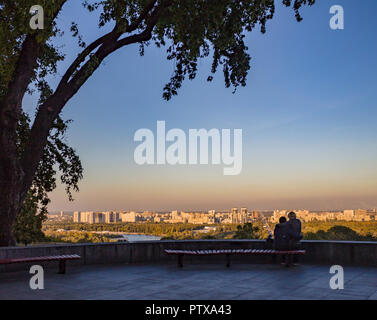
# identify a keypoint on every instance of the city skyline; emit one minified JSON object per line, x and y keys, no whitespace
{"x":369,"y":210}
{"x":307,"y":114}
{"x":357,"y":205}
{"x":233,"y":216}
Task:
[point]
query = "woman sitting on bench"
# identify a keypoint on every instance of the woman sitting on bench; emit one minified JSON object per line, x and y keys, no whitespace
{"x":282,"y":238}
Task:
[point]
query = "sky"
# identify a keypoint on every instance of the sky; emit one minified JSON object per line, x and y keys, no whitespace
{"x":308,"y":116}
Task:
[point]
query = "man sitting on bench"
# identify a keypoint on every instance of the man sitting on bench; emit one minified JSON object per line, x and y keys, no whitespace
{"x":295,"y":234}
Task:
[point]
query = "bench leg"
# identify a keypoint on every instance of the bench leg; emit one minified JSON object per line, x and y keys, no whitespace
{"x":228,"y":260}
{"x":288,"y":260}
{"x":61,"y":267}
{"x":180,"y":260}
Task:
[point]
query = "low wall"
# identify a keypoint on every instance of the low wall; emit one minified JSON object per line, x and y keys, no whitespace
{"x":325,"y":252}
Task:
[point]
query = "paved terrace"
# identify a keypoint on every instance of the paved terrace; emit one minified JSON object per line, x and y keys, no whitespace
{"x":142,"y":270}
{"x":194,"y":281}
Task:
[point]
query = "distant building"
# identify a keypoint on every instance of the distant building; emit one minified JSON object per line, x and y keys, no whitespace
{"x":77,"y":216}
{"x":157,"y":219}
{"x":90,"y":217}
{"x":254,"y":215}
{"x":129,"y":217}
{"x":212,"y":216}
{"x":109,"y":217}
{"x":117,"y":217}
{"x":242,"y":217}
{"x":234,"y":215}
{"x":277,"y":214}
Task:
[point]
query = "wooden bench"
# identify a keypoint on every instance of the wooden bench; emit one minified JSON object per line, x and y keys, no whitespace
{"x":229,"y":252}
{"x":61,"y":258}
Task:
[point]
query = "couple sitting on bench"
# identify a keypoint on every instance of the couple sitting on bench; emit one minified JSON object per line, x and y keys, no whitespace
{"x":287,"y":236}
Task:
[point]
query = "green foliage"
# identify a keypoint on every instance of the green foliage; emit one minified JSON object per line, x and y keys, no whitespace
{"x":14,"y":27}
{"x":192,"y":29}
{"x":334,"y":230}
{"x":57,"y":155}
{"x":246,"y":231}
{"x":318,"y":230}
{"x":339,"y":233}
{"x":158,"y":229}
{"x":77,"y":237}
{"x":28,"y":224}
{"x":340,"y":230}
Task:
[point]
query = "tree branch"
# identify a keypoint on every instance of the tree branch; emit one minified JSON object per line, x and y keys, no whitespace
{"x":51,"y":108}
{"x":114,"y":34}
{"x":133,"y":26}
{"x":10,"y":106}
{"x":82,"y":56}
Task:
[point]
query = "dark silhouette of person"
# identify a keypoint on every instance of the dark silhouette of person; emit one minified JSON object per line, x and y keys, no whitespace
{"x":295,"y":226}
{"x":295,"y":230}
{"x":282,"y":235}
{"x":295,"y":234}
{"x":282,"y":238}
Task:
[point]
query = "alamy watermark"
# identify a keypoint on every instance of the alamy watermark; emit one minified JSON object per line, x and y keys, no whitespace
{"x":337,"y":20}
{"x":37,"y":19}
{"x":155,"y":151}
{"x":37,"y":280}
{"x":337,"y":280}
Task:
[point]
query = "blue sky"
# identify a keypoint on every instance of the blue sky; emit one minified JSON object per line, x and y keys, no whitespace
{"x":308,"y":115}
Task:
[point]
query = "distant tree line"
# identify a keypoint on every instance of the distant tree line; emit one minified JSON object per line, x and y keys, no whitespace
{"x":82,"y":232}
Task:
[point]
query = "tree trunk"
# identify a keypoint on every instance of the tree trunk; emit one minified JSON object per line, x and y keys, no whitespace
{"x":11,"y":175}
{"x":10,"y":204}
{"x":6,"y":236}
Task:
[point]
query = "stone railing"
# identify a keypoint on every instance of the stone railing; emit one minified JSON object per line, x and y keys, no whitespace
{"x":318,"y":252}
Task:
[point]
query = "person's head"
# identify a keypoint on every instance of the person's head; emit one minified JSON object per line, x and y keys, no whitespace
{"x":282,"y":220}
{"x":291,"y":215}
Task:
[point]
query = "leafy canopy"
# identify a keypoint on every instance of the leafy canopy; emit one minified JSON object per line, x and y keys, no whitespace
{"x":194,"y":29}
{"x":189,"y":29}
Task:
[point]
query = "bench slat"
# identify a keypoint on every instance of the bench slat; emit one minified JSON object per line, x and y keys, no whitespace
{"x":190,"y":252}
{"x":43,"y":258}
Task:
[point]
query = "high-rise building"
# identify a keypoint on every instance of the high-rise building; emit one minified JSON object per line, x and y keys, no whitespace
{"x":254,"y":214}
{"x":90,"y":217}
{"x":109,"y":217}
{"x":348,"y":214}
{"x":117,"y":217}
{"x":211,"y":216}
{"x":129,"y":217}
{"x":243,"y":216}
{"x":234,"y":215}
{"x":99,"y":217}
{"x":77,"y":216}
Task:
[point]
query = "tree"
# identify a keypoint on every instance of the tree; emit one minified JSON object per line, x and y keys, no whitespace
{"x":28,"y":223}
{"x":246,"y":231}
{"x":190,"y":29}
